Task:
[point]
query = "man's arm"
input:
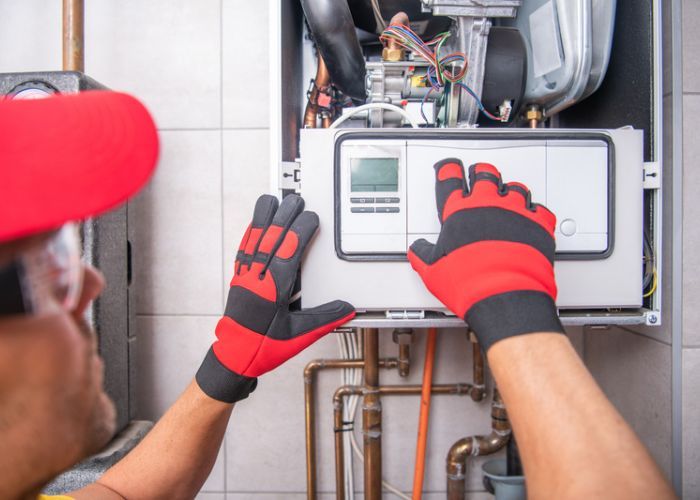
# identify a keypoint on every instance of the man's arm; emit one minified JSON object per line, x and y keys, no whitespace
{"x":573,"y":442}
{"x":258,"y":332}
{"x":493,"y":265}
{"x":174,"y":459}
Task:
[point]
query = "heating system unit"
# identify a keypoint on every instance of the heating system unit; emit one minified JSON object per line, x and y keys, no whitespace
{"x":369,"y":94}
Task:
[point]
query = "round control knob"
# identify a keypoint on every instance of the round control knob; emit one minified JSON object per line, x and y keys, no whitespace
{"x":568,"y":227}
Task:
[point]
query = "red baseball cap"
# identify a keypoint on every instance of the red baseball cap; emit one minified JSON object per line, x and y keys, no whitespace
{"x":69,"y":157}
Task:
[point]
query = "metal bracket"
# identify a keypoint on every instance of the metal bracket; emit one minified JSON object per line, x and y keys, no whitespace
{"x":652,"y":175}
{"x":405,"y":314}
{"x":290,"y":175}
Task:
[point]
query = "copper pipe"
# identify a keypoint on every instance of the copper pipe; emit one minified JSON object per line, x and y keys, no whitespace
{"x":479,"y":390}
{"x":393,"y":51}
{"x":403,"y":337}
{"x":73,"y":35}
{"x":326,"y":120}
{"x":339,"y":428}
{"x":404,"y":360}
{"x":372,"y":417}
{"x":424,"y":415}
{"x":534,"y":116}
{"x":310,"y":408}
{"x":386,"y":390}
{"x":321,"y":82}
{"x":476,"y":446}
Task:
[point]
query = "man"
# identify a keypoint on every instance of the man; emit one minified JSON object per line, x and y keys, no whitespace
{"x":67,"y":158}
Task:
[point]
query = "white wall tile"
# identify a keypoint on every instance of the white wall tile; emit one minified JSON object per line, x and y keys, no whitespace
{"x":167,"y":53}
{"x":171,"y":349}
{"x":30,"y":36}
{"x":691,"y":418}
{"x":635,"y":373}
{"x":245,"y":64}
{"x":211,"y":496}
{"x":177,"y":219}
{"x":246,"y":176}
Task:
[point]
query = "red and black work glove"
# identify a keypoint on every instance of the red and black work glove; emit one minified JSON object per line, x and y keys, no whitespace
{"x":258,"y":331}
{"x":492,"y":264}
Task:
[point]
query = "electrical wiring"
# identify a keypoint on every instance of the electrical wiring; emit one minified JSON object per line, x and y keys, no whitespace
{"x":375,"y":105}
{"x":451,"y":68}
{"x":654,"y":283}
{"x":479,"y":103}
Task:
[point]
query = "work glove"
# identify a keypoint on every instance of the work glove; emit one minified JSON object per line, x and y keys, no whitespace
{"x":492,"y":264}
{"x":258,"y":331}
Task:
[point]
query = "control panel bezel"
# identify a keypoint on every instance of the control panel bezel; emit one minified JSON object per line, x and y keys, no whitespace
{"x":488,"y":136}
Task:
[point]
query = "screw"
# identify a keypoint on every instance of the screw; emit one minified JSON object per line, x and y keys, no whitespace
{"x":652,"y":318}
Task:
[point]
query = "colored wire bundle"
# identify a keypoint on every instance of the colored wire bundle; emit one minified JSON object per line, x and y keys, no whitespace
{"x":450,"y":68}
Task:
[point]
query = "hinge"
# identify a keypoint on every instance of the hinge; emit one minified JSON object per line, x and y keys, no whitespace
{"x":403,"y":314}
{"x":652,"y":175}
{"x":290,"y":175}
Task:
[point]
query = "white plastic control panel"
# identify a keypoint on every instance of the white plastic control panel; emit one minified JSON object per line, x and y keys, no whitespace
{"x":592,"y":181}
{"x":387,"y":190}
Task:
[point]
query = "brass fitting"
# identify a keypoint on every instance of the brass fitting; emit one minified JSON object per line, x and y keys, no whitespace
{"x":392,"y":54}
{"x":534,"y":116}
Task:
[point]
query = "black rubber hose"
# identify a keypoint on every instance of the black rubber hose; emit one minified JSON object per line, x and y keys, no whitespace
{"x":332,"y":27}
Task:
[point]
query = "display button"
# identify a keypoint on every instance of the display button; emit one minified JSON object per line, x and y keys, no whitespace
{"x":568,"y":227}
{"x":387,"y":210}
{"x":362,"y":210}
{"x":362,"y":200}
{"x":388,"y":200}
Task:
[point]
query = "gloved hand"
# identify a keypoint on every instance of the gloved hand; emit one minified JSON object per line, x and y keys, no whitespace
{"x":258,"y":331}
{"x":493,"y":261}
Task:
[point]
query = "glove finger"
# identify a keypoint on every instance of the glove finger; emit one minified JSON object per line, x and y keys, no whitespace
{"x":291,"y":206}
{"x":422,"y":254}
{"x":449,"y":174}
{"x":521,"y":191}
{"x":265,"y":208}
{"x":298,"y":237}
{"x":313,"y":323}
{"x":484,"y":179}
{"x":285,"y":264}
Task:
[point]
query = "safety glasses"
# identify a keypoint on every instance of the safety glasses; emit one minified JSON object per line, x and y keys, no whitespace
{"x":44,"y":279}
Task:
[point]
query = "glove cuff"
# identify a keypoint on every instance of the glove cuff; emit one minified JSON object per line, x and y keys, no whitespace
{"x":222,"y":384}
{"x":513,"y":313}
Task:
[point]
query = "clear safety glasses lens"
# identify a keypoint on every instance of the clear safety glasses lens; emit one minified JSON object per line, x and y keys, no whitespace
{"x":51,"y":274}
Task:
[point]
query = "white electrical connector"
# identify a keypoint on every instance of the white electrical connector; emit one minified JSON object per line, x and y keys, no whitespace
{"x":504,"y":110}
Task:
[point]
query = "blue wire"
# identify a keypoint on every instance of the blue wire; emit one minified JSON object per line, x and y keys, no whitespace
{"x":478,"y":102}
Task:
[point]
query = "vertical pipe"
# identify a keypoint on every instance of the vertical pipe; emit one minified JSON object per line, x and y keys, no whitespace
{"x":339,"y":447}
{"x":372,"y":417}
{"x":479,"y":390}
{"x":73,"y":35}
{"x":422,"y":442}
{"x":309,"y":410}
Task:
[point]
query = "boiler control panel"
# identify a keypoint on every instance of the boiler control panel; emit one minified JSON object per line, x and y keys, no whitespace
{"x":374,"y":193}
{"x":385,"y":189}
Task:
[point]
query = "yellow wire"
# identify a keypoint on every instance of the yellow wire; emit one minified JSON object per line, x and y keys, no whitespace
{"x":654,"y":282}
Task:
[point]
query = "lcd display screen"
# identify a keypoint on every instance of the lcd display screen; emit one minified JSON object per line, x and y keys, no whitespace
{"x":374,"y":174}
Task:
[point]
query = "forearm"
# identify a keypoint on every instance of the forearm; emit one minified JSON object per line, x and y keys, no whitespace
{"x":573,"y":442}
{"x":175,"y":458}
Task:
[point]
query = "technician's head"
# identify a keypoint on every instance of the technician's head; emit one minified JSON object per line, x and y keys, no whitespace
{"x":62,"y":159}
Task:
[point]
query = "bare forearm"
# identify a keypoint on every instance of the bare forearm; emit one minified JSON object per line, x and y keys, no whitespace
{"x":573,"y":442}
{"x":175,"y":458}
